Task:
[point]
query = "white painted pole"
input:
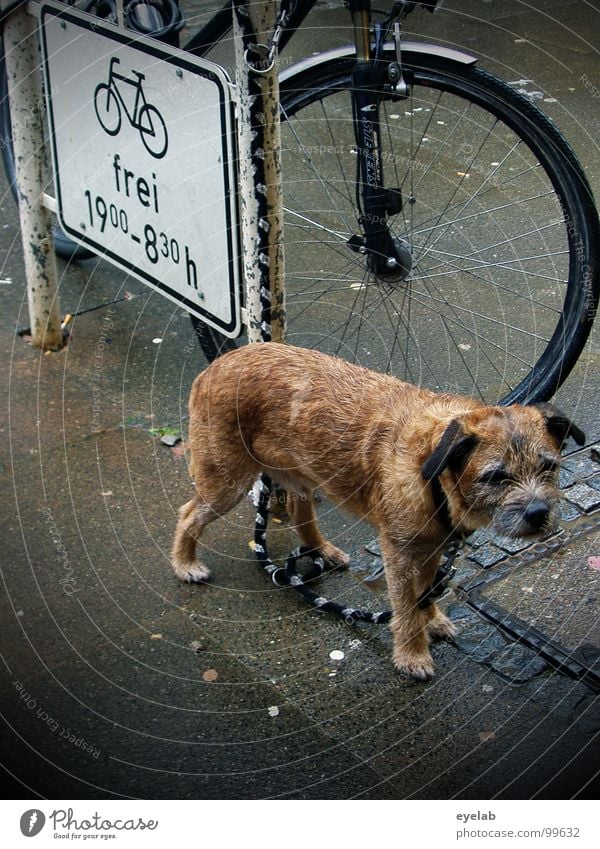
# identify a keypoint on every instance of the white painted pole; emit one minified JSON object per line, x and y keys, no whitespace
{"x":26,"y":109}
{"x":259,"y":142}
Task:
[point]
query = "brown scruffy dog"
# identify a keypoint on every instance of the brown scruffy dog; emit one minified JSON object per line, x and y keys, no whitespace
{"x":421,"y":467}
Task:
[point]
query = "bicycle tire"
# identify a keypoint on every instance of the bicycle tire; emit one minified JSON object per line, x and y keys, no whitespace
{"x":111,"y":127}
{"x":515,"y":317}
{"x":147,"y":125}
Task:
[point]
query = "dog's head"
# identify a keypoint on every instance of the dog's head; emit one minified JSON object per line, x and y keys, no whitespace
{"x":500,"y":465}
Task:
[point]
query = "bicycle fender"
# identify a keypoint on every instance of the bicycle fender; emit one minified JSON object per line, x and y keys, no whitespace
{"x":409,"y":48}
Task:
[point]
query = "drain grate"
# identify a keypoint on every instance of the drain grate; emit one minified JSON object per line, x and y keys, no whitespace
{"x":499,"y":562}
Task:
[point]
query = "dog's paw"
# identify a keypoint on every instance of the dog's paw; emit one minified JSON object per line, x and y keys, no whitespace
{"x":334,"y":557}
{"x":441,"y":628}
{"x":194,"y":573}
{"x":416,"y":667}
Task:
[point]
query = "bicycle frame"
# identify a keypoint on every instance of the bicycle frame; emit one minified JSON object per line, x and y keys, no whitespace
{"x":374,"y":76}
{"x":140,"y":98}
{"x":386,"y":255}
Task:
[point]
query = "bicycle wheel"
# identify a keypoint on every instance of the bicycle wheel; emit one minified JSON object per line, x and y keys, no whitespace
{"x":498,"y":226}
{"x":108,"y":110}
{"x":153,"y":131}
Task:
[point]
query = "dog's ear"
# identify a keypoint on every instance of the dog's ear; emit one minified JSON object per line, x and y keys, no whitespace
{"x":559,"y":425}
{"x":452,"y":449}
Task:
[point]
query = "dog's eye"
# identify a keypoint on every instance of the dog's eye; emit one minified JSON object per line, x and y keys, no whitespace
{"x":496,"y":478}
{"x":549,"y":466}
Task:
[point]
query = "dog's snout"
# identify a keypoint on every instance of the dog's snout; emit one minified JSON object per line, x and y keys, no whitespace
{"x":537,"y":513}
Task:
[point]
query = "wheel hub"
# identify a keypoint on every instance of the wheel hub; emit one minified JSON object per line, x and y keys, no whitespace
{"x":399,"y":265}
{"x":394,"y":268}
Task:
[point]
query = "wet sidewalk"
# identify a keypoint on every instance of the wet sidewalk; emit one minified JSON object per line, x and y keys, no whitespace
{"x":118,"y":681}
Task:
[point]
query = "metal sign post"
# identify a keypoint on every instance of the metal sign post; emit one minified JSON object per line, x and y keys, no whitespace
{"x":22,"y":69}
{"x":259,"y":139}
{"x":111,"y":103}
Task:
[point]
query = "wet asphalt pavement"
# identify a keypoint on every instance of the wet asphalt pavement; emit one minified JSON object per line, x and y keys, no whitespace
{"x":118,"y":681}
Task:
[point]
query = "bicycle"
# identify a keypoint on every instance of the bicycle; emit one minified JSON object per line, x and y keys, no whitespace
{"x":109,"y":104}
{"x":448,"y":140}
{"x":451,"y":239}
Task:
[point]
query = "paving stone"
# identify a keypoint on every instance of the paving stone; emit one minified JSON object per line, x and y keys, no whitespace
{"x":488,"y":555}
{"x":461,"y":613}
{"x":584,"y":497}
{"x":589,"y":654}
{"x":594,"y":482}
{"x":511,"y":544}
{"x":479,"y":537}
{"x":465,"y":570}
{"x":518,"y":663}
{"x":567,"y":512}
{"x":566,"y":478}
{"x":479,"y":640}
{"x":582,"y":466}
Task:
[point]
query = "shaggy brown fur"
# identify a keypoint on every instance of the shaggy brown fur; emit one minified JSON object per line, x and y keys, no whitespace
{"x":374,"y":445}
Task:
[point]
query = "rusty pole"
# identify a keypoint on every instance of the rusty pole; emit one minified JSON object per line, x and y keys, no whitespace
{"x":259,"y":145}
{"x":26,"y":109}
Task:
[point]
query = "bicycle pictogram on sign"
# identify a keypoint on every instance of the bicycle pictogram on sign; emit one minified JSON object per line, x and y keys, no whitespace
{"x":110,"y":104}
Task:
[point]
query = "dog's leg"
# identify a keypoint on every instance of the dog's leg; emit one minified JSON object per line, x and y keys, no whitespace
{"x":409,"y":624}
{"x":301,"y":507}
{"x":183,"y":553}
{"x":439,"y":627}
{"x":193,"y":519}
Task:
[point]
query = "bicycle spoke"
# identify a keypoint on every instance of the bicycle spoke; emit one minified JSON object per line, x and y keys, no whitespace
{"x":461,"y":309}
{"x":316,"y":225}
{"x":489,"y":177}
{"x":507,"y":265}
{"x":512,"y":180}
{"x":483,"y":226}
{"x":490,"y":211}
{"x":503,"y":242}
{"x":307,"y":158}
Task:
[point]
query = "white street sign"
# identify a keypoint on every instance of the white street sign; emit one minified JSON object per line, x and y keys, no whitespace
{"x":143,"y":151}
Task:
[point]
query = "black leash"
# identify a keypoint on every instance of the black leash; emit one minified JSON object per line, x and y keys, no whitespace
{"x":289,"y":576}
{"x":260,"y":59}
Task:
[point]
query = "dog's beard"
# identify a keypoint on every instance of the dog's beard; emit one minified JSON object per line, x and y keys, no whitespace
{"x":510,"y":521}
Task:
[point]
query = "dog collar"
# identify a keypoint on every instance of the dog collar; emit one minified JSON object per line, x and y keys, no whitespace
{"x":442,"y":510}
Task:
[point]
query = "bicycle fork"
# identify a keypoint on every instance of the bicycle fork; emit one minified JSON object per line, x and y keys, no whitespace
{"x":387,"y":255}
